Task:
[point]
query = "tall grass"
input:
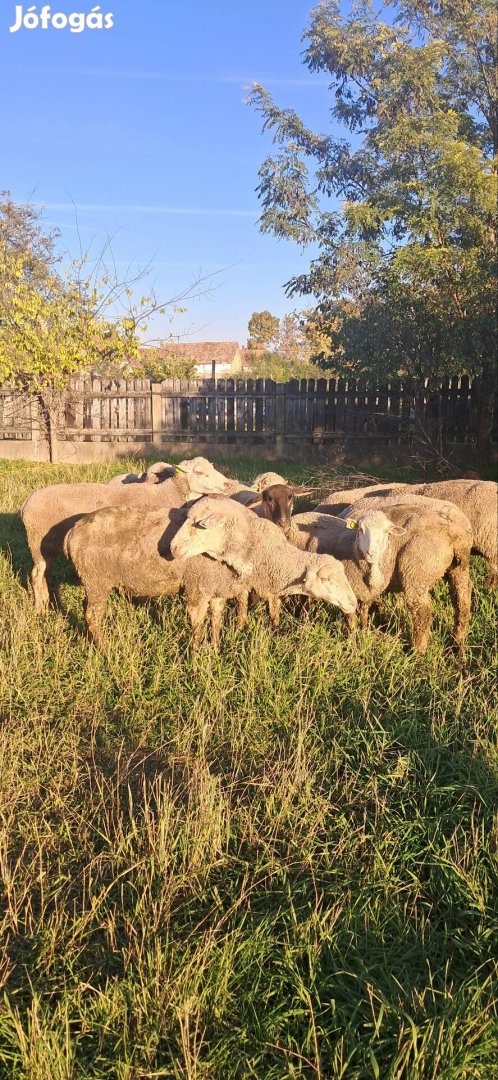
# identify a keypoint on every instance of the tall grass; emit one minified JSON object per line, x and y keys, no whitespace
{"x":278,"y":861}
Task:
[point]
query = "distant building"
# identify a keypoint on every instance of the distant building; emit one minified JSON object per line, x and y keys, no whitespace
{"x":224,"y":355}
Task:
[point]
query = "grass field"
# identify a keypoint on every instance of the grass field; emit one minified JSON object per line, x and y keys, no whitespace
{"x":275,"y":862}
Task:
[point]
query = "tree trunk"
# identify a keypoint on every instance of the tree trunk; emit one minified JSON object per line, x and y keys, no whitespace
{"x":53,"y":442}
{"x":49,"y":416}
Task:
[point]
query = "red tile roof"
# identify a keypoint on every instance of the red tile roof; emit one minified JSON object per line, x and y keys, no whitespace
{"x":203,"y":352}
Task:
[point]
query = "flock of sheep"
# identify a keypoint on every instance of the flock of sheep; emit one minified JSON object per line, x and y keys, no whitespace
{"x":190,"y":528}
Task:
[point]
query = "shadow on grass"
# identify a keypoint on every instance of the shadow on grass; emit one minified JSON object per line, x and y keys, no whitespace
{"x":14,"y":545}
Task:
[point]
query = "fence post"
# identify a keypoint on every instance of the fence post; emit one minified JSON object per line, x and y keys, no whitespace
{"x":156,"y":414}
{"x":280,"y":420}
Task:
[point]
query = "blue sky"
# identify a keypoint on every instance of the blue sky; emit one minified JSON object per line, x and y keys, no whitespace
{"x":145,"y":129}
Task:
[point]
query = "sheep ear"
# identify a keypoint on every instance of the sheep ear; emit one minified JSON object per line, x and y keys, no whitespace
{"x":179,"y":470}
{"x":397,"y":530}
{"x":242,"y":567}
{"x":324,"y":573}
{"x":208,"y":522}
{"x":351,"y":523}
{"x":258,"y":498}
{"x":296,"y":490}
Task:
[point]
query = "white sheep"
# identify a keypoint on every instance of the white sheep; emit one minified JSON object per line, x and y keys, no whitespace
{"x":431,"y":540}
{"x":132,"y":550}
{"x":398,"y":545}
{"x":155,"y":474}
{"x":50,"y":512}
{"x":478,"y":499}
{"x":258,"y":551}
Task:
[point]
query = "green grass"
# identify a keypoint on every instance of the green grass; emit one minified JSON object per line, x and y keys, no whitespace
{"x":275,"y":862}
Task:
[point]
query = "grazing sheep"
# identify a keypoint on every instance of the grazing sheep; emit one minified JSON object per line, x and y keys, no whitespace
{"x":277,"y":501}
{"x":427,"y":543}
{"x":326,"y":534}
{"x":337,"y":501}
{"x":132,"y":550}
{"x":50,"y":512}
{"x":126,"y":548}
{"x":267,"y":479}
{"x":400,"y":544}
{"x":129,"y":550}
{"x":258,"y":551}
{"x":478,"y":499}
{"x":155,"y":474}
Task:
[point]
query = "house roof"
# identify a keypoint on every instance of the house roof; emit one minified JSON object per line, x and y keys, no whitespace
{"x":203,"y":352}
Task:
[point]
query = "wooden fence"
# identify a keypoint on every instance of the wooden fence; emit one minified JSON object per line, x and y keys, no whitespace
{"x":314,"y":412}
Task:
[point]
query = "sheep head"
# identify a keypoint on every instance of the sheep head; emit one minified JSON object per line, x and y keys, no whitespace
{"x":277,"y":503}
{"x":216,"y":527}
{"x":158,"y":473}
{"x":327,"y":580}
{"x":202,"y":477}
{"x":374,"y":533}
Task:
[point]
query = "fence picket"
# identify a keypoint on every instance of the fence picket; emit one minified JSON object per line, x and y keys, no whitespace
{"x":221,"y":407}
{"x":241,"y":406}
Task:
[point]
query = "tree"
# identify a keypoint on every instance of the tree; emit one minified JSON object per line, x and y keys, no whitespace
{"x":263,"y":330}
{"x":157,"y":365}
{"x":60,"y":316}
{"x":403,"y":213}
{"x":290,"y":357}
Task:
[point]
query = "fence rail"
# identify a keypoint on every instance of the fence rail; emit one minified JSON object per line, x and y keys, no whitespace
{"x":316,"y":412}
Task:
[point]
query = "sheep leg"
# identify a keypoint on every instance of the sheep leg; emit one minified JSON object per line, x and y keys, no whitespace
{"x":197,"y":614}
{"x":242,"y":606}
{"x":460,"y":587}
{"x":420,"y":609}
{"x":351,"y":622}
{"x":94,"y":610}
{"x":217,"y":608}
{"x":274,"y":609}
{"x":492,"y":579}
{"x":364,"y":611}
{"x":40,"y":585}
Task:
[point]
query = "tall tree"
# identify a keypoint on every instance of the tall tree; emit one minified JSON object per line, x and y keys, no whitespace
{"x":263,"y":330}
{"x":290,"y":356}
{"x":60,"y":316}
{"x":402,"y":213}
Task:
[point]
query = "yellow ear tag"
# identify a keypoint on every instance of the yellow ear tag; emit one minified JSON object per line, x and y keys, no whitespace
{"x":351,"y":524}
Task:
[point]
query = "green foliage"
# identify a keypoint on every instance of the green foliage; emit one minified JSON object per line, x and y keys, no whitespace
{"x":60,"y":316}
{"x":53,"y":321}
{"x":271,"y":365}
{"x":290,"y":357}
{"x":263,"y":330}
{"x":278,"y":861}
{"x":403,"y":215}
{"x":157,"y":365}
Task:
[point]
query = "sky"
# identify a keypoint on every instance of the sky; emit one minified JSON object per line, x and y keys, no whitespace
{"x":144,"y":129}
